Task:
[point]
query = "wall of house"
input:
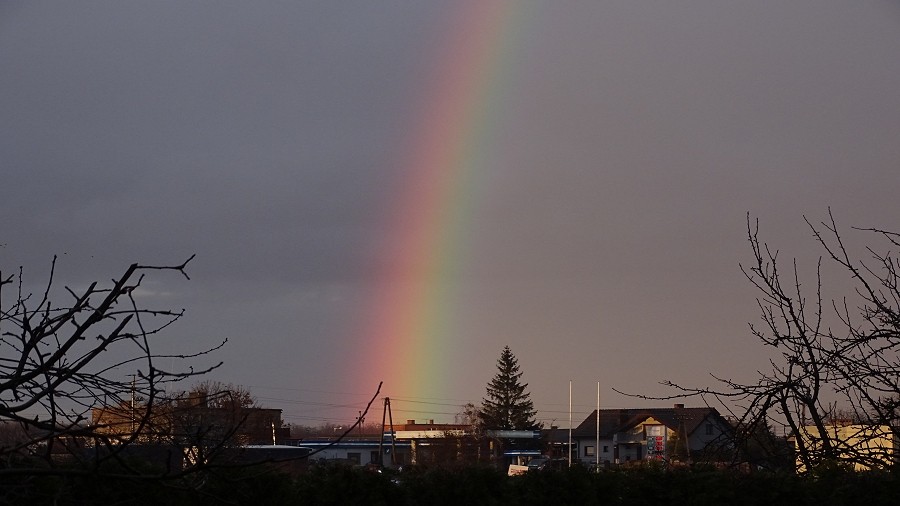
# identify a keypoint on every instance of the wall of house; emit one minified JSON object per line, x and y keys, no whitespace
{"x":709,"y":431}
{"x":627,"y":451}
{"x":358,"y":455}
{"x":607,"y":450}
{"x":866,"y":445}
{"x":631,"y":452}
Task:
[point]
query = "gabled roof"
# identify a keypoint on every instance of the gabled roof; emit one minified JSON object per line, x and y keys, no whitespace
{"x":619,"y":420}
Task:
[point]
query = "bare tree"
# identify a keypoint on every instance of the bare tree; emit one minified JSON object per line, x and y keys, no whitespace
{"x":468,"y":414}
{"x":216,"y":394}
{"x":83,"y":396}
{"x":65,"y":352}
{"x":213,"y":416}
{"x":834,"y":381}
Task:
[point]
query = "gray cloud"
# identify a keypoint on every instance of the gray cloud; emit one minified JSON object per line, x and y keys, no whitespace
{"x":268,"y":138}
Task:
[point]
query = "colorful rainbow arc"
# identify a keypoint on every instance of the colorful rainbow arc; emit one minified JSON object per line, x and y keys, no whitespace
{"x":407,"y":340}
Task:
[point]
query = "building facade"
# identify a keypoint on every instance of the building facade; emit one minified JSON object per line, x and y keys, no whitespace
{"x":862,"y":447}
{"x":628,"y":435}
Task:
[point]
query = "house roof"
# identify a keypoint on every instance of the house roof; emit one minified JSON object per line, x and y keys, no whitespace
{"x":618,"y":420}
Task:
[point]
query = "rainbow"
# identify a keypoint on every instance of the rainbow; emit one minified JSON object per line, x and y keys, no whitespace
{"x":407,"y":339}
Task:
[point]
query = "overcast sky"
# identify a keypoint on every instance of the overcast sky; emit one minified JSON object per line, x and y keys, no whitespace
{"x":265,"y":137}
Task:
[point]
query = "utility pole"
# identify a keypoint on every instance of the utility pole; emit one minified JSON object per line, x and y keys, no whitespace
{"x":570,"y":424}
{"x":133,"y":379}
{"x":391,"y":421}
{"x":597,"y":448}
{"x":386,"y":413}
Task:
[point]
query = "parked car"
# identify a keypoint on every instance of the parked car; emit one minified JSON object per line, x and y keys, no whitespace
{"x":546,"y":463}
{"x":538,"y":463}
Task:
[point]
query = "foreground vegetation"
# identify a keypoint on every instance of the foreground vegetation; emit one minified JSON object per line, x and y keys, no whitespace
{"x":341,"y":485}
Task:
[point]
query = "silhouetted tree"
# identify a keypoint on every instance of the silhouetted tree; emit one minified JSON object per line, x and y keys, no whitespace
{"x":215,"y":415}
{"x":763,"y":449}
{"x":507,"y":405}
{"x":215,"y":394}
{"x":64,"y":353}
{"x":83,"y":393}
{"x":836,"y":361}
{"x":468,"y":414}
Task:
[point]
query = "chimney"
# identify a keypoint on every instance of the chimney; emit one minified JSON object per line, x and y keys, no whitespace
{"x":679,"y":406}
{"x":431,"y":422}
{"x":410,"y":422}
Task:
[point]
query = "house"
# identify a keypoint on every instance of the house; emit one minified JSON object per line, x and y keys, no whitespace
{"x":625,"y":435}
{"x":424,"y":443}
{"x":398,"y":444}
{"x":189,"y":423}
{"x":556,"y":443}
{"x":356,"y":451}
{"x":432,"y":443}
{"x":862,"y":446}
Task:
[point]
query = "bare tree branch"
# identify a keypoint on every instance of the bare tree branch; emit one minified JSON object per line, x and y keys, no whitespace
{"x":835,"y":382}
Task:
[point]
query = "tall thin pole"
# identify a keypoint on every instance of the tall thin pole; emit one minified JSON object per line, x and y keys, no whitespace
{"x":133,"y":379}
{"x":597,"y":448}
{"x":570,"y":423}
{"x":387,"y":402}
{"x":391,"y":421}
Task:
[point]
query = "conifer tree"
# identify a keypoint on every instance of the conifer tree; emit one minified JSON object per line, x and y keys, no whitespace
{"x":507,"y":406}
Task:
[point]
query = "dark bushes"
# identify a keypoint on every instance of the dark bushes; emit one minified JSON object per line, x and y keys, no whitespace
{"x":342,"y":485}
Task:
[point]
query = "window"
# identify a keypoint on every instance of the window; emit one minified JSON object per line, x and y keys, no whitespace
{"x":353,"y":456}
{"x":588,"y":451}
{"x":709,"y":429}
{"x":605,"y":449}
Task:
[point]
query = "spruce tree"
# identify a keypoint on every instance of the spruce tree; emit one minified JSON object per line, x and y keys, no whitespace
{"x":507,"y":406}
